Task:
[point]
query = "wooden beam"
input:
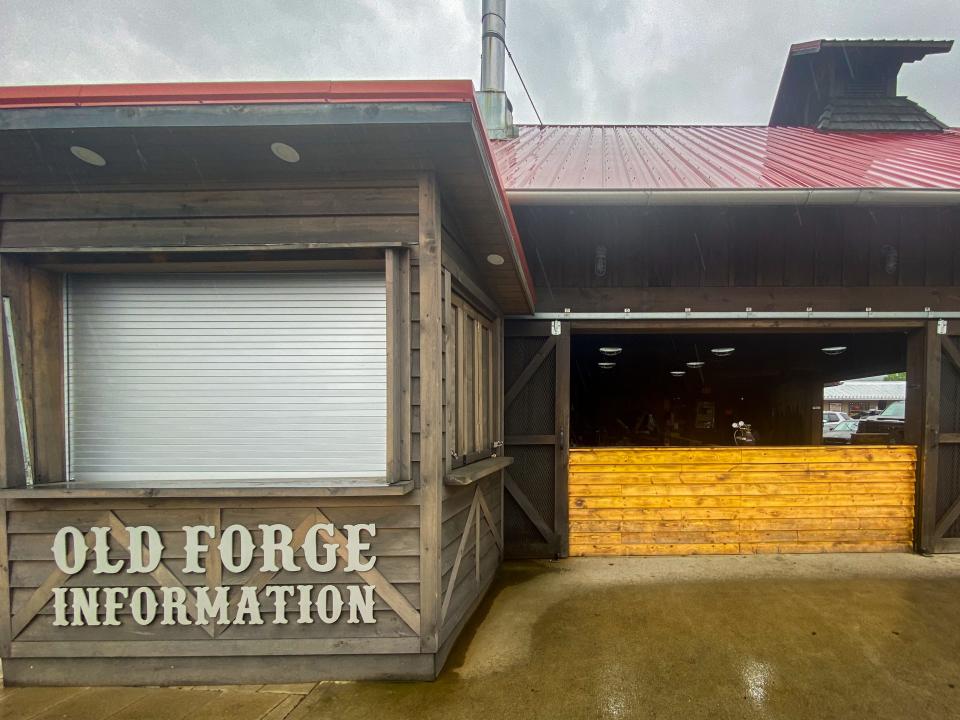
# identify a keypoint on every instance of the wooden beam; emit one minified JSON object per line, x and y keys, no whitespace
{"x":431,"y":410}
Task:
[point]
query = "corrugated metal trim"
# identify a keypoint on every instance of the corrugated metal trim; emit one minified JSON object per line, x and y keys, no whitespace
{"x":859,"y":390}
{"x":648,"y":157}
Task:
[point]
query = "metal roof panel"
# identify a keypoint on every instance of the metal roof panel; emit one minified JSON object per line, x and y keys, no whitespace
{"x":700,"y":157}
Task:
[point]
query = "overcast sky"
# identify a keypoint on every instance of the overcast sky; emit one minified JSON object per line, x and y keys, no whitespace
{"x":604,"y":61}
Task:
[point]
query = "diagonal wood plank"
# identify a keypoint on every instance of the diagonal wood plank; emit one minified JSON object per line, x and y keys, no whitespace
{"x":261,"y":579}
{"x":42,"y":595}
{"x":162,"y":574}
{"x":528,"y":509}
{"x":459,"y":557}
{"x":951,"y":350}
{"x":948,"y":519}
{"x":489,"y":518}
{"x":535,"y":362}
{"x":385,"y":589}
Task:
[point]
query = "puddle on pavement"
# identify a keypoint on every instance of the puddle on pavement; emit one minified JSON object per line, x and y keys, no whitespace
{"x":768,"y":648}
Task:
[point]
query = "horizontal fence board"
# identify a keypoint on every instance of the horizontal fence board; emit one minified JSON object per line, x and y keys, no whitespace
{"x":652,"y":501}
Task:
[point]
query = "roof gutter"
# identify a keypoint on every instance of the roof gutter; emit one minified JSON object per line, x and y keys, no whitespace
{"x":773,"y":196}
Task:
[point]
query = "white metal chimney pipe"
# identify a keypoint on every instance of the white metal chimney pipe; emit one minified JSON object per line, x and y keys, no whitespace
{"x":493,"y":58}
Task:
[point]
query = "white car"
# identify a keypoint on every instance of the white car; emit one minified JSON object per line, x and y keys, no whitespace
{"x":832,"y":418}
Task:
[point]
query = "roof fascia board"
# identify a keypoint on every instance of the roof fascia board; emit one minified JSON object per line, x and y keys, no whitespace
{"x":506,"y":215}
{"x":240,"y":115}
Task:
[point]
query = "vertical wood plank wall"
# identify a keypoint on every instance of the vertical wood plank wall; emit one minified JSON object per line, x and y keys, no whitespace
{"x":686,"y":501}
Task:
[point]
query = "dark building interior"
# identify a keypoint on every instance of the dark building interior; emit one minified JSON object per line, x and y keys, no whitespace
{"x":648,"y":389}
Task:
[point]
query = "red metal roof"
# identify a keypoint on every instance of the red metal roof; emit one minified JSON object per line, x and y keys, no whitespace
{"x":212,"y":93}
{"x":654,"y":157}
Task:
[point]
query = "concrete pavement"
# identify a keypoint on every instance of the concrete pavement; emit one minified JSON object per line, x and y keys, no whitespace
{"x":824,"y":636}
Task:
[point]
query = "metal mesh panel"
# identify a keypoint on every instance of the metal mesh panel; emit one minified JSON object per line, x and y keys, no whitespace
{"x":533,"y":410}
{"x":533,"y":470}
{"x":949,"y":396}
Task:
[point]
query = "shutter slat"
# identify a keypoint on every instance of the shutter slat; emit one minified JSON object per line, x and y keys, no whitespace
{"x":226,"y":376}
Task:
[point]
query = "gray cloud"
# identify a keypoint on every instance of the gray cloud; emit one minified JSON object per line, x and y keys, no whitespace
{"x":631,"y":61}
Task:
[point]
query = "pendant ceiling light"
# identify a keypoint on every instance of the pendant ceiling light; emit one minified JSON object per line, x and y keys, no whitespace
{"x":678,"y":373}
{"x":723,"y":351}
{"x":696,"y":364}
{"x":834,"y":350}
{"x":611,"y":351}
{"x":607,"y":365}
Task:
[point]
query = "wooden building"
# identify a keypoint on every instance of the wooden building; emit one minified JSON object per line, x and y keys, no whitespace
{"x":280,"y":390}
{"x":250,"y":305}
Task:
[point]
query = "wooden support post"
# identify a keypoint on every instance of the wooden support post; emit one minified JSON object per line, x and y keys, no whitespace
{"x":398,"y":364}
{"x":562,"y":452}
{"x":929,"y":450}
{"x":450,"y":371}
{"x":498,"y":410}
{"x":431,"y":411}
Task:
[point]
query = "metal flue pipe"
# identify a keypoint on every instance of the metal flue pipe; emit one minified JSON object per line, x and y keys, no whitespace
{"x":493,"y":58}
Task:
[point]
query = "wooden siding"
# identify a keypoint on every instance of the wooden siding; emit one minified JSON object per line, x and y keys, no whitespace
{"x":471,"y":548}
{"x":421,"y":536}
{"x":209,"y":220}
{"x":687,"y":501}
{"x":727,"y":259}
{"x":31,"y":526}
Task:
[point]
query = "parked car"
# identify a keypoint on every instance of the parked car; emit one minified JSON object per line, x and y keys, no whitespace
{"x":841,"y":433}
{"x":888,"y":423}
{"x":832,"y":417}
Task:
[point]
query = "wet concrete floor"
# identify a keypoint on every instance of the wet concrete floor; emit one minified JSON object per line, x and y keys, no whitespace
{"x":828,"y":636}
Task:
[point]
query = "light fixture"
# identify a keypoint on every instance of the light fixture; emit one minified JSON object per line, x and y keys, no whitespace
{"x":495,"y":259}
{"x":607,"y":365}
{"x":834,"y":350}
{"x":611,"y":351}
{"x":87,"y":155}
{"x":285,"y":152}
{"x":696,"y":364}
{"x":891,"y":258}
{"x":723,"y":351}
{"x":678,"y":373}
{"x":600,"y":261}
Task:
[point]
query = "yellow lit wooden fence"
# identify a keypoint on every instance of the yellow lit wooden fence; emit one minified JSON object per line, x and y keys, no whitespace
{"x":688,"y":501}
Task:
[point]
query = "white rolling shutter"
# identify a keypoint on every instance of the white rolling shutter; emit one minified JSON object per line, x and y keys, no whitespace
{"x":226,"y":376}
